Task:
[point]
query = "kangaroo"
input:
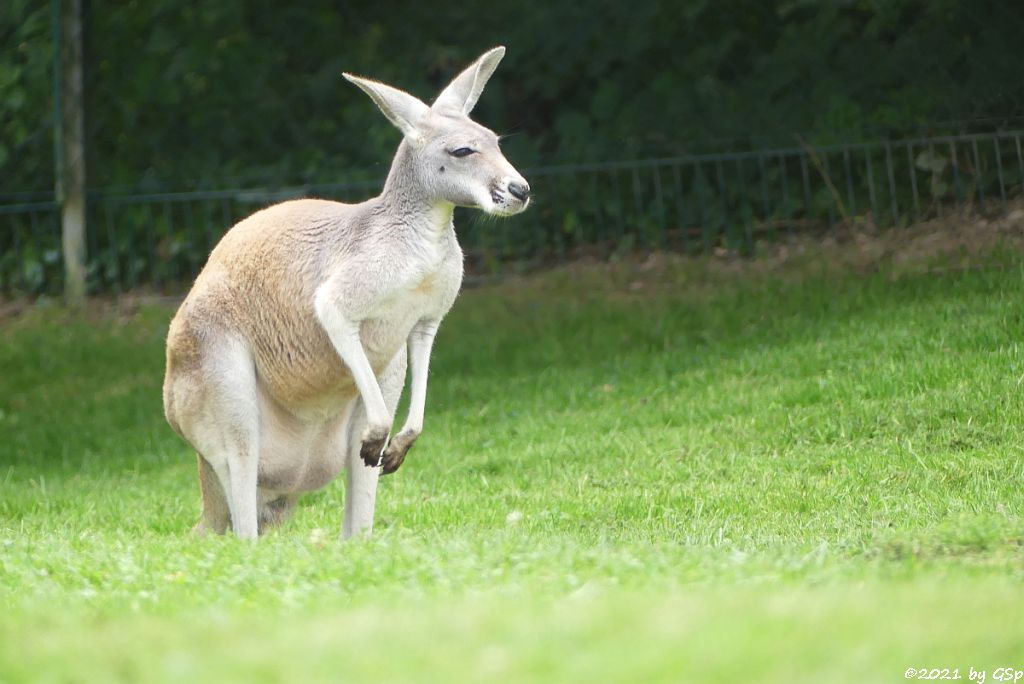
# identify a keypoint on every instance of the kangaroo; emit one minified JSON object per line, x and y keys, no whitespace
{"x":286,"y":360}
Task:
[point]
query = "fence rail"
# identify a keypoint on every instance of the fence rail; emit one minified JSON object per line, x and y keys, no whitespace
{"x":691,"y":204}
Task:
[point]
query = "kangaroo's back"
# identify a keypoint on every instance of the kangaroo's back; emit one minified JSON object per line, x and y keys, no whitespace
{"x":258,"y":288}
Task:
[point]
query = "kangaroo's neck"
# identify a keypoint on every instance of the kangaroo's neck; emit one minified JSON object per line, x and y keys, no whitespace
{"x":406,"y":201}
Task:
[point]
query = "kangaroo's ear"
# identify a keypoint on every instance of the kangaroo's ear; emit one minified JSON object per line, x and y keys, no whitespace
{"x":463,"y":92}
{"x":402,"y":109}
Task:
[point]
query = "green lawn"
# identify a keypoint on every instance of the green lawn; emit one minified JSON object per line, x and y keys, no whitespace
{"x":681,"y":473}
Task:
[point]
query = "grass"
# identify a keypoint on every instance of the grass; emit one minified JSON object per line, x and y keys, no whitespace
{"x":679,"y":473}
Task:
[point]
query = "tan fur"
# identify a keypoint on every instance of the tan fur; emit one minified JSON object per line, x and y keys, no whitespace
{"x":259,"y":285}
{"x":427,"y":286}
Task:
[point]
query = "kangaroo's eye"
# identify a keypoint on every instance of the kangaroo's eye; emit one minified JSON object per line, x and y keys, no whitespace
{"x":462,"y":152}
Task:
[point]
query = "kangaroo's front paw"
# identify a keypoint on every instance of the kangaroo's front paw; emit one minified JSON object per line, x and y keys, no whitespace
{"x":372,"y":448}
{"x":397,"y":449}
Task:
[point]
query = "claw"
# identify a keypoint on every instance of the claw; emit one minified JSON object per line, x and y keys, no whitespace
{"x":394,"y":455}
{"x":372,"y":451}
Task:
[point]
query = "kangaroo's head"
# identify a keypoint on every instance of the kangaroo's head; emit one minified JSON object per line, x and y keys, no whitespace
{"x":452,"y":158}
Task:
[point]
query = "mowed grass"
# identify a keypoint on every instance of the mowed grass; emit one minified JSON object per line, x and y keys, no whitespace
{"x":672,"y":473}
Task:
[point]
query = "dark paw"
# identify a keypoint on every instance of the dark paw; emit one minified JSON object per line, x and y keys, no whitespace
{"x":372,"y":448}
{"x":394,"y":455}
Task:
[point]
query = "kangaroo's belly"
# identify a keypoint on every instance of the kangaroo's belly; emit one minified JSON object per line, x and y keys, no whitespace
{"x":299,"y":454}
{"x":307,"y":399}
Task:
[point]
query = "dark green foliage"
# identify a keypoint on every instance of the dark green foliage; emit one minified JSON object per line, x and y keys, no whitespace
{"x":26,"y":60}
{"x":191,"y":93}
{"x":213,"y":97}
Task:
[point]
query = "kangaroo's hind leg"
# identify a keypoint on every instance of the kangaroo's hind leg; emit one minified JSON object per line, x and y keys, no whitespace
{"x":275,"y":511}
{"x":216,"y":409}
{"x":215,"y":516}
{"x":360,"y":479}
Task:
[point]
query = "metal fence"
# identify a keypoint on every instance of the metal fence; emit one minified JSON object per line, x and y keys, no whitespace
{"x":691,"y":204}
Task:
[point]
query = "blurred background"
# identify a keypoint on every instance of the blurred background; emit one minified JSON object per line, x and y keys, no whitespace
{"x":147,"y":128}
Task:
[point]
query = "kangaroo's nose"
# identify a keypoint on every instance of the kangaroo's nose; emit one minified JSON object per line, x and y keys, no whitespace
{"x":519,"y":190}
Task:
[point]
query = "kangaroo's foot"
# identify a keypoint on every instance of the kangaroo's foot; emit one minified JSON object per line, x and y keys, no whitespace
{"x":394,"y":455}
{"x":372,"y":448}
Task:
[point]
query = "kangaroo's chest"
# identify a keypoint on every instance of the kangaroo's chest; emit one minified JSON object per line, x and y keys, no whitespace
{"x":424,"y":293}
{"x":388,"y":326}
{"x":296,"y":360}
